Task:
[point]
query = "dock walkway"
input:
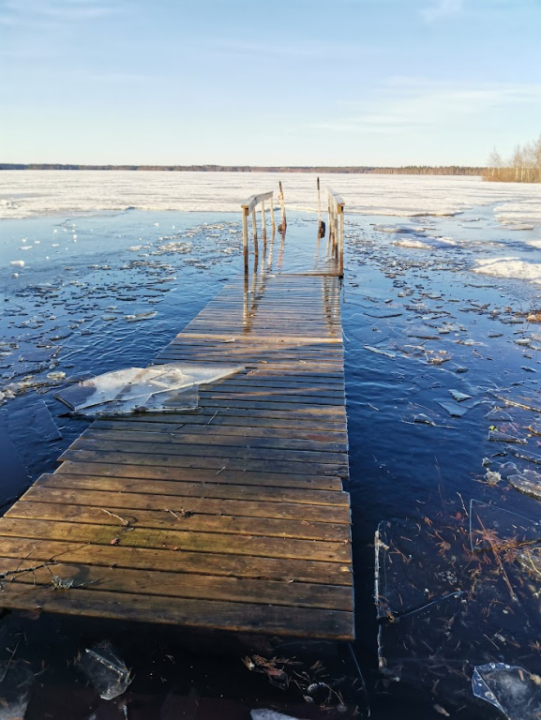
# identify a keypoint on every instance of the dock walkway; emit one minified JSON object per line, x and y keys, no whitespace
{"x":231,"y":517}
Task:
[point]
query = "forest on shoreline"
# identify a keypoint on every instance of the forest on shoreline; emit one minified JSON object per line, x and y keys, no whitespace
{"x":523,"y":166}
{"x":406,"y":170}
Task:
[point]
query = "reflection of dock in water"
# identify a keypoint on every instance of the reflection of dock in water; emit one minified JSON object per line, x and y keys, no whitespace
{"x":231,"y":517}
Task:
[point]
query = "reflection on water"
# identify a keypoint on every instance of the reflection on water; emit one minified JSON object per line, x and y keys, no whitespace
{"x":443,"y":405}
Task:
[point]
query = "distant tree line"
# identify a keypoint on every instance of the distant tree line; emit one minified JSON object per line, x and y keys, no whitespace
{"x":523,"y":166}
{"x":407,"y":170}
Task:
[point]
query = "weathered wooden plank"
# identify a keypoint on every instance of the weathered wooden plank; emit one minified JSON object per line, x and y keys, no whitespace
{"x":303,"y":496}
{"x":107,"y":442}
{"x":224,"y":434}
{"x":238,"y":617}
{"x":238,"y":442}
{"x":137,"y":558}
{"x":155,"y":494}
{"x":290,"y":548}
{"x":118,"y":512}
{"x":180,"y":585}
{"x":218,"y":464}
{"x":207,"y":476}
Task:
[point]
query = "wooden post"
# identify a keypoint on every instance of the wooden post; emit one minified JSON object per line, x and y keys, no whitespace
{"x":318,"y":203}
{"x":341,"y":242}
{"x":329,"y":239}
{"x":254,"y":228}
{"x":284,"y":221}
{"x":245,"y":237}
{"x":272,"y":215}
{"x":263,"y":222}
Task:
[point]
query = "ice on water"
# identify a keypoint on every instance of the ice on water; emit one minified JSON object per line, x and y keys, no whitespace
{"x":158,"y":388}
{"x":30,"y":193}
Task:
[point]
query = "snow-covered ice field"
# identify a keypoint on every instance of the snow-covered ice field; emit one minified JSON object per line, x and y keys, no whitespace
{"x":29,"y":193}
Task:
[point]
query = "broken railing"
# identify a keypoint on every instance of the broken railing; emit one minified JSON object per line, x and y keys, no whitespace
{"x":249,"y":209}
{"x":335,"y":246}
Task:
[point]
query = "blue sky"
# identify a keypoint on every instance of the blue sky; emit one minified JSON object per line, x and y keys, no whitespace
{"x":299,"y":82}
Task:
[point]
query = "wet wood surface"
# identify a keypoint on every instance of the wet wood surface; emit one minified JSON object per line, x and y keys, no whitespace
{"x":232,"y":516}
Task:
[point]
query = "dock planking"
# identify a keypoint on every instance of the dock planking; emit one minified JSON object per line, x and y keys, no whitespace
{"x":231,"y":517}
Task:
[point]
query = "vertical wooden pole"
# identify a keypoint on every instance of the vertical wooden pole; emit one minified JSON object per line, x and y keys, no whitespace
{"x":341,"y":235}
{"x":254,"y":228}
{"x":273,"y":225}
{"x":245,"y":294}
{"x":329,"y":239}
{"x":263,"y":222}
{"x":284,"y":221}
{"x":245,"y":238}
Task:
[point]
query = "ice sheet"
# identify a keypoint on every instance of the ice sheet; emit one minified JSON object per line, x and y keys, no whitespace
{"x":35,"y":192}
{"x":158,"y":388}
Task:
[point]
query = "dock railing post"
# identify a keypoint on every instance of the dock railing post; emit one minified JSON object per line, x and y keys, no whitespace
{"x":283,"y":226}
{"x":254,"y":228}
{"x":245,"y":238}
{"x":273,"y":224}
{"x":335,"y":244}
{"x":263,"y":222}
{"x":341,"y":241}
{"x":250,"y":208}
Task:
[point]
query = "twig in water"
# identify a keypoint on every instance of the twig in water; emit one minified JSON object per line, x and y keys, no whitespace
{"x":498,"y":559}
{"x":220,"y":470}
{"x":3,"y":677}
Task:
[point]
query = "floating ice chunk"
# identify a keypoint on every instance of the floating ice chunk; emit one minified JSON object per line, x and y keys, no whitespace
{"x":17,"y":263}
{"x":158,"y":388}
{"x":16,"y":680}
{"x":459,"y":396}
{"x":396,"y":229}
{"x":527,"y":482}
{"x":141,"y":316}
{"x":509,"y":267}
{"x":514,"y":691}
{"x":454,"y":410}
{"x":414,"y":244}
{"x":106,"y":671}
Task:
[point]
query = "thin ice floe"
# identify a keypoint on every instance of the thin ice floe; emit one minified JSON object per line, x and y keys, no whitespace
{"x":159,"y":388}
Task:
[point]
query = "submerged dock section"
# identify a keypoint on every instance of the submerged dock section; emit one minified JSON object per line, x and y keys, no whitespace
{"x":231,"y":516}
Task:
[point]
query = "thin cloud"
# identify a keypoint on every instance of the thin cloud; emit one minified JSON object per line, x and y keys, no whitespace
{"x":413,"y":104}
{"x":297,"y":51}
{"x":442,"y":9}
{"x":38,"y":12}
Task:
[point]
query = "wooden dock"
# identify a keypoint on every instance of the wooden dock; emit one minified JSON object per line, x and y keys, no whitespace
{"x":231,"y":517}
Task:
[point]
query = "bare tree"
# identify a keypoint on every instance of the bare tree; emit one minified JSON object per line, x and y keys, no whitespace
{"x":523,"y":166}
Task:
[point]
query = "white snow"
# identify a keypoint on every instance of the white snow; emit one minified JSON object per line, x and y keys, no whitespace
{"x":26,"y":193}
{"x":509,"y":267}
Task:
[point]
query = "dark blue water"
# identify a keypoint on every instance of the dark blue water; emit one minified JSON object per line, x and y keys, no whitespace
{"x":419,"y":325}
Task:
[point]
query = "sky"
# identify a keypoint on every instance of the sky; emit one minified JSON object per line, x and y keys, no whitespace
{"x":288,"y":82}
